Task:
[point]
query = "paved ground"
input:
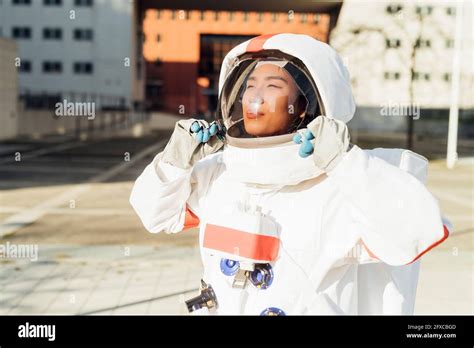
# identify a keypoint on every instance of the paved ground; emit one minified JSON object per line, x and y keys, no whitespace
{"x":83,"y":279}
{"x":94,"y":257}
{"x":446,"y":279}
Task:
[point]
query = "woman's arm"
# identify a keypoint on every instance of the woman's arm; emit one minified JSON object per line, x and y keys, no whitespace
{"x":159,"y":198}
{"x":168,"y":198}
{"x":399,"y":219}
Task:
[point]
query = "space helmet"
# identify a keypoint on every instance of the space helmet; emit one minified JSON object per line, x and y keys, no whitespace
{"x":274,"y":85}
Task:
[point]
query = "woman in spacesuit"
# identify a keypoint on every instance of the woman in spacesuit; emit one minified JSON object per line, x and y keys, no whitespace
{"x":293,"y":219}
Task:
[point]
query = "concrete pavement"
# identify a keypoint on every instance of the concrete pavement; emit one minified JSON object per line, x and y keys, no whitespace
{"x":71,"y":279}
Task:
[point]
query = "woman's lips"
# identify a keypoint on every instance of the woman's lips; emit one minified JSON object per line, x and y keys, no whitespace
{"x":252,"y":115}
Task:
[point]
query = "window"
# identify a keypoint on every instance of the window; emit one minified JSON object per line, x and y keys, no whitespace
{"x":21,"y":2}
{"x":316,"y":18}
{"x":447,"y":77}
{"x":394,"y":8}
{"x":52,"y":34}
{"x":304,"y":18}
{"x":418,"y":76}
{"x":173,"y":14}
{"x":422,"y":43}
{"x":202,"y":16}
{"x":424,"y":10}
{"x":216,"y":15}
{"x":52,"y":67}
{"x":260,"y":17}
{"x":158,"y":37}
{"x":274,"y":17}
{"x":25,"y":66}
{"x":21,"y":33}
{"x":40,"y":100}
{"x":213,"y":50}
{"x":83,"y":34}
{"x":246,"y":16}
{"x":83,"y":68}
{"x":392,"y":75}
{"x":450,"y":11}
{"x":87,"y":3}
{"x":158,"y":14}
{"x":231,"y":16}
{"x":52,"y":2}
{"x":392,"y":43}
{"x":449,"y":43}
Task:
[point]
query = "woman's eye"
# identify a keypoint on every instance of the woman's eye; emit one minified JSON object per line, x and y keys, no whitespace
{"x":274,"y":86}
{"x":249,"y":87}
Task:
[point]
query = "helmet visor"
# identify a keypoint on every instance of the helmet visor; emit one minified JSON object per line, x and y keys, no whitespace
{"x":270,"y":97}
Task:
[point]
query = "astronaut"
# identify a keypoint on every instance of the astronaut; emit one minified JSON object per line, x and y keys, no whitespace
{"x":292,"y":217}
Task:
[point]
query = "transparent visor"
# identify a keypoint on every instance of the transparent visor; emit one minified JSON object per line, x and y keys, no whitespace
{"x":267,"y":97}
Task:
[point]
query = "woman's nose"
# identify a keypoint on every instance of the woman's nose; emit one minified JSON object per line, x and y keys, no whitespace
{"x":255,"y":103}
{"x":256,"y":99}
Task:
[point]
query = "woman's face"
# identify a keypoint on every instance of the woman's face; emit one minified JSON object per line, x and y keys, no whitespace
{"x":268,"y":102}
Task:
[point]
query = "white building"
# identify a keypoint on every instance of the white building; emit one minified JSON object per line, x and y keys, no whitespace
{"x":400,"y":53}
{"x":77,"y":50}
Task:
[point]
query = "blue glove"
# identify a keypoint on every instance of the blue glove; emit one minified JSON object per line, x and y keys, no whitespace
{"x":203,"y":133}
{"x":306,"y":147}
{"x":191,"y":141}
{"x":326,"y":139}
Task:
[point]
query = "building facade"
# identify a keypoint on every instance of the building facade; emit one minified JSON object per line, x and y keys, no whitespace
{"x":77,"y":50}
{"x":403,"y":57}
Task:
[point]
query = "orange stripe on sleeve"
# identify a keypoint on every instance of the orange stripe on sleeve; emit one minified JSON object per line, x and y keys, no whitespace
{"x":191,"y":220}
{"x":445,"y":236}
{"x":371,"y":254}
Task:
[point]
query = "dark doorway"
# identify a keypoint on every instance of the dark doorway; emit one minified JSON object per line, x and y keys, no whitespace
{"x":213,"y":49}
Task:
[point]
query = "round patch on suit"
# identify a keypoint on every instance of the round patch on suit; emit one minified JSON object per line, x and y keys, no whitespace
{"x":229,"y":267}
{"x":273,"y":311}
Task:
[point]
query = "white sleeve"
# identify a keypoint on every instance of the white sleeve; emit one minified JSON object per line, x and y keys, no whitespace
{"x":162,"y":194}
{"x":399,"y":219}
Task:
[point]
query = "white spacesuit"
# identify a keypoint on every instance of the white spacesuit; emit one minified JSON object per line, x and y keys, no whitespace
{"x":293,"y":219}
